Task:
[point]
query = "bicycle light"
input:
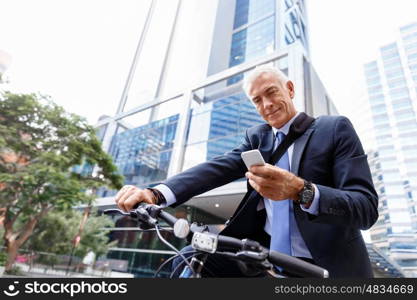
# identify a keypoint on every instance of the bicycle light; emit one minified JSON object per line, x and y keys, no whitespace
{"x":204,"y":241}
{"x":181,"y":228}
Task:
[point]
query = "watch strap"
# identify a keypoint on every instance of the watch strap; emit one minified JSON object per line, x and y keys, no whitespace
{"x":158,"y":196}
{"x":306,"y":195}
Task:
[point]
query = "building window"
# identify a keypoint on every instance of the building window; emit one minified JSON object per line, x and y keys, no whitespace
{"x":394,"y":74}
{"x":392,"y":64}
{"x":143,"y":154}
{"x":251,"y":42}
{"x":379,"y":109}
{"x":373,"y":80}
{"x":412,"y":56}
{"x":396,"y":83}
{"x":405,"y":115}
{"x":376,"y":99}
{"x":413,"y":68}
{"x":401,"y":104}
{"x":218,"y":127}
{"x":249,"y":11}
{"x":410,"y":46}
{"x":254,"y":41}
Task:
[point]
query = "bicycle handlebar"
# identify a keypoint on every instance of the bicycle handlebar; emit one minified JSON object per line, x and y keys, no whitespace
{"x":148,"y":213}
{"x":297,"y":266}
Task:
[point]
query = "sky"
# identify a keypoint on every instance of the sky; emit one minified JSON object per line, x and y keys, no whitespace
{"x":344,"y":35}
{"x":79,"y":52}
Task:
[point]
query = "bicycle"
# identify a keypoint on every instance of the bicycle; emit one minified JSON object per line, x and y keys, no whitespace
{"x":253,"y":256}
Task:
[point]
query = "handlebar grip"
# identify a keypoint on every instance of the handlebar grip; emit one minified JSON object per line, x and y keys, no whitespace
{"x":297,"y":266}
{"x":227,"y":241}
{"x":170,"y":219}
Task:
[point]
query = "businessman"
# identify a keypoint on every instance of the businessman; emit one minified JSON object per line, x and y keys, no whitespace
{"x":311,"y":204}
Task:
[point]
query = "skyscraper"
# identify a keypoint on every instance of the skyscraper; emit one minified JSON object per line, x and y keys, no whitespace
{"x":392,"y":84}
{"x":183,"y":101}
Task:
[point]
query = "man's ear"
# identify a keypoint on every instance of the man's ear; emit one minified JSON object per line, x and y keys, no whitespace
{"x":290,"y":87}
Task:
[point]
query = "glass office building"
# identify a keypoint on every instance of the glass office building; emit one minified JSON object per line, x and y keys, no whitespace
{"x":392,"y":82}
{"x":183,"y":103}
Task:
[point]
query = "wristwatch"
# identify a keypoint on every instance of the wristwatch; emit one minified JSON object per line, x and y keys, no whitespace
{"x":158,"y":196}
{"x":306,"y":195}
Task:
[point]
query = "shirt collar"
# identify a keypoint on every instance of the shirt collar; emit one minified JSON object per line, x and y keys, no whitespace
{"x":284,"y":129}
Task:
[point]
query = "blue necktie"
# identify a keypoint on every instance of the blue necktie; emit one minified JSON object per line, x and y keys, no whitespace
{"x":280,"y":232}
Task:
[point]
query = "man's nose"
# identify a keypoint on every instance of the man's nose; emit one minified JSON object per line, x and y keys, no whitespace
{"x":267,"y":103}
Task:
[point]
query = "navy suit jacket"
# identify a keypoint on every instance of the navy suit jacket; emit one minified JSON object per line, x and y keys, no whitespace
{"x":330,"y":155}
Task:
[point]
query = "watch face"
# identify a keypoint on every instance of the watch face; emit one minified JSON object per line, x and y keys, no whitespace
{"x":307,"y":193}
{"x":307,"y":196}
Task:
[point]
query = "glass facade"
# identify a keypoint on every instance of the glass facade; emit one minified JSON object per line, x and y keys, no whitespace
{"x":395,"y":126}
{"x":253,"y":41}
{"x":142,"y":154}
{"x":249,"y":11}
{"x":253,"y":34}
{"x":217,"y":127}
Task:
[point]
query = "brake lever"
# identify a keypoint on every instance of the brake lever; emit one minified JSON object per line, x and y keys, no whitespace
{"x":253,"y":263}
{"x":252,"y":256}
{"x":115,"y":211}
{"x":140,"y":213}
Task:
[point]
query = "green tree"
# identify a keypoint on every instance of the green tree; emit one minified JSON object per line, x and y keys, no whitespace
{"x":55,"y":233}
{"x":40,"y":144}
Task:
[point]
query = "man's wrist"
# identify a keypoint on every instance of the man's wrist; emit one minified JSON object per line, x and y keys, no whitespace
{"x":158,"y":197}
{"x":299,"y":186}
{"x":306,"y":194}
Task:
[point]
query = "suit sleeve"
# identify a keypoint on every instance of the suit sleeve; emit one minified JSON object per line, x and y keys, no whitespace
{"x":209,"y":175}
{"x":352,"y":201}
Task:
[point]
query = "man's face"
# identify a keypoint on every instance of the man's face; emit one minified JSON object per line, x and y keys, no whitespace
{"x":273,"y":99}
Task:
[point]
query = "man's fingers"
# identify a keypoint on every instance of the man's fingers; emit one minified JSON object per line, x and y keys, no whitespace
{"x":133,"y":199}
{"x":257,"y":179}
{"x":124,"y":197}
{"x":126,"y":194}
{"x":266,"y":171}
{"x":121,"y":192}
{"x":254,"y":185}
{"x":263,"y":191}
{"x":260,"y":181}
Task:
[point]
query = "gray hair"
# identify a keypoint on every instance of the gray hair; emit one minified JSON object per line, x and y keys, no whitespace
{"x":255,"y":73}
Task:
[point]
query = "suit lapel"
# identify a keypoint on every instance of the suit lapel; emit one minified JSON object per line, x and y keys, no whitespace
{"x":266,"y":146}
{"x":299,"y":146}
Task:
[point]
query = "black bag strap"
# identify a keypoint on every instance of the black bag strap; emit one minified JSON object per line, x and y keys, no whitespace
{"x":301,"y":123}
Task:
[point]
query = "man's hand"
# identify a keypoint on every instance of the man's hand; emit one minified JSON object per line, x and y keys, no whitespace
{"x":129,"y":196}
{"x":274,"y":183}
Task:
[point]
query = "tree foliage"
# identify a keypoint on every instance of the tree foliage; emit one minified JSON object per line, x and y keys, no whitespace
{"x":40,"y":144}
{"x":55,"y":233}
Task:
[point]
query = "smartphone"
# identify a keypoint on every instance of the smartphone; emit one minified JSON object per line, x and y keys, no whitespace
{"x":252,"y":158}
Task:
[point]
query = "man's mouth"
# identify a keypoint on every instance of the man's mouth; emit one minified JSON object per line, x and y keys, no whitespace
{"x":274,"y":112}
